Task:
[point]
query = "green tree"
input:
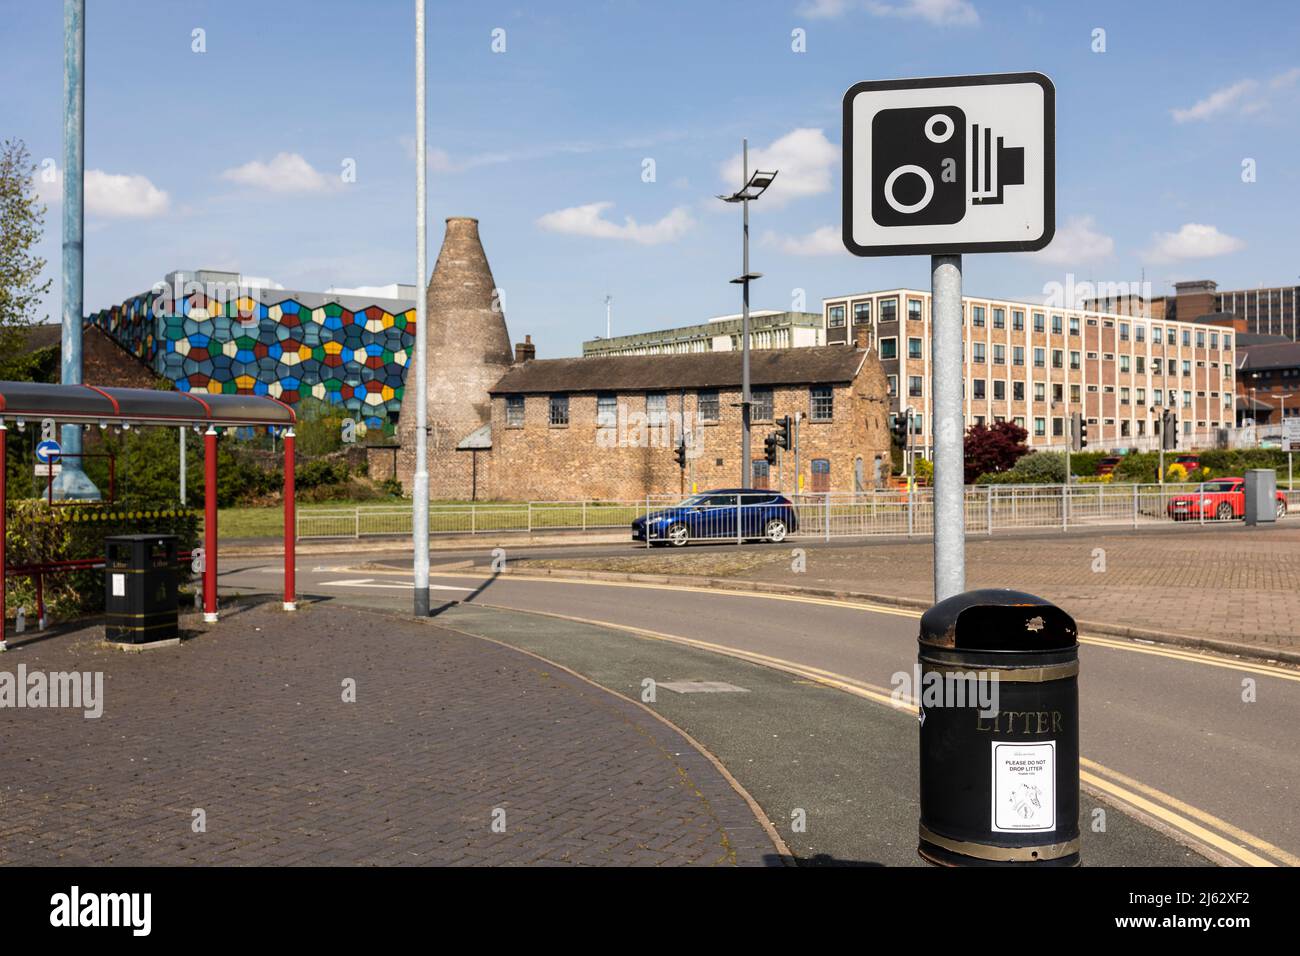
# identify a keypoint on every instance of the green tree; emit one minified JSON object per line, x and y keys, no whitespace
{"x":22,"y":222}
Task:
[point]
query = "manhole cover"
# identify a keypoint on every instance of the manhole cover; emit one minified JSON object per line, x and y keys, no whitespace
{"x":703,"y":687}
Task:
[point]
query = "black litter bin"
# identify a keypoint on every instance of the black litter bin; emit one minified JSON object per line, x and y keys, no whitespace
{"x":140,"y":574}
{"x":999,"y":784}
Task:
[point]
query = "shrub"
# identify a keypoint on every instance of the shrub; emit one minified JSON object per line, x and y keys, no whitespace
{"x":1140,"y":466}
{"x":320,"y":471}
{"x":1036,"y":468}
{"x":40,"y":533}
{"x":1085,"y":462}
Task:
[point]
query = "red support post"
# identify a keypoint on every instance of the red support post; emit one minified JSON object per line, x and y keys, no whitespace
{"x":4,"y":532}
{"x":210,"y":525}
{"x":290,"y":524}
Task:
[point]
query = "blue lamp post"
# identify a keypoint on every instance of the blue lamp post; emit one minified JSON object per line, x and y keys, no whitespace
{"x":72,"y":481}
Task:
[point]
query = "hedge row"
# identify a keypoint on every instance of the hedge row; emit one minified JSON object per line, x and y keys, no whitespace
{"x":39,"y":533}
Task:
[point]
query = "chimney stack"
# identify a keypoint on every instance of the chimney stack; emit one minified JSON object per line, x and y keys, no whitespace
{"x":862,"y":335}
{"x":525,"y":351}
{"x":469,"y":351}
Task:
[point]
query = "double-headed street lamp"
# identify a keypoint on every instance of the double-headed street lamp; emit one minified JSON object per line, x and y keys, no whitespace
{"x":754,"y":187}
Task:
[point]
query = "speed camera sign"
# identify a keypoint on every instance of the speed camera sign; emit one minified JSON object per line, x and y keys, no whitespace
{"x":949,"y":165}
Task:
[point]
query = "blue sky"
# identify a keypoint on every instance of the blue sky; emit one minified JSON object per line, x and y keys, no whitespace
{"x":232,"y":158}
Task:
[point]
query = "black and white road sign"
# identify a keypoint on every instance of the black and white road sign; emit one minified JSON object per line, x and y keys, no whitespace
{"x":949,"y":165}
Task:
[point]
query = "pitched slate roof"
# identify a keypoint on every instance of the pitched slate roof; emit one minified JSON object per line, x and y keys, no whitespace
{"x":1283,"y":355}
{"x":642,"y":373}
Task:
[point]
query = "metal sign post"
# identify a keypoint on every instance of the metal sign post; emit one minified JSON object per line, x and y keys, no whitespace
{"x":946,"y":397}
{"x":941,"y":167}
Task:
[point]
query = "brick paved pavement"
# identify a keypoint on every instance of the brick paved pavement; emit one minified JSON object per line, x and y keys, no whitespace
{"x":248,"y":723}
{"x":1237,"y":584}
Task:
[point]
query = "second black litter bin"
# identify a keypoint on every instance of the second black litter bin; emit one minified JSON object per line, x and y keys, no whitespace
{"x":999,"y":783}
{"x":140,"y":574}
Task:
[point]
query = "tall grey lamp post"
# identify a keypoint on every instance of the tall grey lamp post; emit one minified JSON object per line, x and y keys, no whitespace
{"x":72,"y":481}
{"x":420,"y":482}
{"x":754,"y":187}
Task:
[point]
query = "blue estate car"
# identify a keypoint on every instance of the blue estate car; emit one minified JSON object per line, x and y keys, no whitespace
{"x":711,"y":515}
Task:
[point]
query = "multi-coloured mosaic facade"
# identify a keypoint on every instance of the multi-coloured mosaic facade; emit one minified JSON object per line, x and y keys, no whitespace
{"x":354,"y":357}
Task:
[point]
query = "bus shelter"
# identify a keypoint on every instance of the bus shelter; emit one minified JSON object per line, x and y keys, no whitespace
{"x":36,"y":402}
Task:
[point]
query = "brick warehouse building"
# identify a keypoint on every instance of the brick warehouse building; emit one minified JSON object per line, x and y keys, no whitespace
{"x":509,"y":426}
{"x":608,"y":427}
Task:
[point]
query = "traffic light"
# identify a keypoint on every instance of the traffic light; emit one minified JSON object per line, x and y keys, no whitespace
{"x":769,"y":448}
{"x":1169,"y":430}
{"x":783,"y":439}
{"x":681,"y":455}
{"x":1078,"y":432}
{"x":900,"y":427}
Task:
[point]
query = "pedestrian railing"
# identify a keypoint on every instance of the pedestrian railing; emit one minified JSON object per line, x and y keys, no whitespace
{"x":988,"y":509}
{"x":469,"y":519}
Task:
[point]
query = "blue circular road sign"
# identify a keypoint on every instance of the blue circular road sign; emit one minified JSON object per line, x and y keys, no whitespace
{"x":48,"y":452}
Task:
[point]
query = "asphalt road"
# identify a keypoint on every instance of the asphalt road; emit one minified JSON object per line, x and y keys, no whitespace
{"x":1167,"y":732}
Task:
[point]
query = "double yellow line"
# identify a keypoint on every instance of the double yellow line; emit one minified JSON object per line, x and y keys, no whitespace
{"x":1223,"y":839}
{"x":1229,"y":841}
{"x":1119,"y":644}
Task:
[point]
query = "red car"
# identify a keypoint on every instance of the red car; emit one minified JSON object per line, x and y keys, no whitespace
{"x":1219,"y":500}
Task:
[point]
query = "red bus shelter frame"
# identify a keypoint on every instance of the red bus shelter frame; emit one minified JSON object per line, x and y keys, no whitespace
{"x":128,"y":407}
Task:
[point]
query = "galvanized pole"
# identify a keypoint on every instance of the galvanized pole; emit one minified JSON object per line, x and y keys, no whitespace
{"x":72,"y":481}
{"x":420,"y":484}
{"x":745,"y":465}
{"x":1069,"y":445}
{"x":1164,"y":423}
{"x":797,"y":473}
{"x":946,"y":373}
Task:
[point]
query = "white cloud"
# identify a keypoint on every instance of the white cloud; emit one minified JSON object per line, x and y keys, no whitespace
{"x":109,"y":195}
{"x":1285,"y":79}
{"x":1193,"y":241}
{"x":804,"y":159}
{"x":1244,"y":98}
{"x":1220,"y":101}
{"x":826,"y":241}
{"x":944,"y":13}
{"x":1077,"y":241}
{"x":286,"y":173}
{"x":588,"y":220}
{"x":824,"y":9}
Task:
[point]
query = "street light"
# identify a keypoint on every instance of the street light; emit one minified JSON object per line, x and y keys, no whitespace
{"x":1254,"y":420}
{"x":754,"y":187}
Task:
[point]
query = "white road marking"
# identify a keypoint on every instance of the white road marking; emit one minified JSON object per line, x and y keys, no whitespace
{"x":401,"y":586}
